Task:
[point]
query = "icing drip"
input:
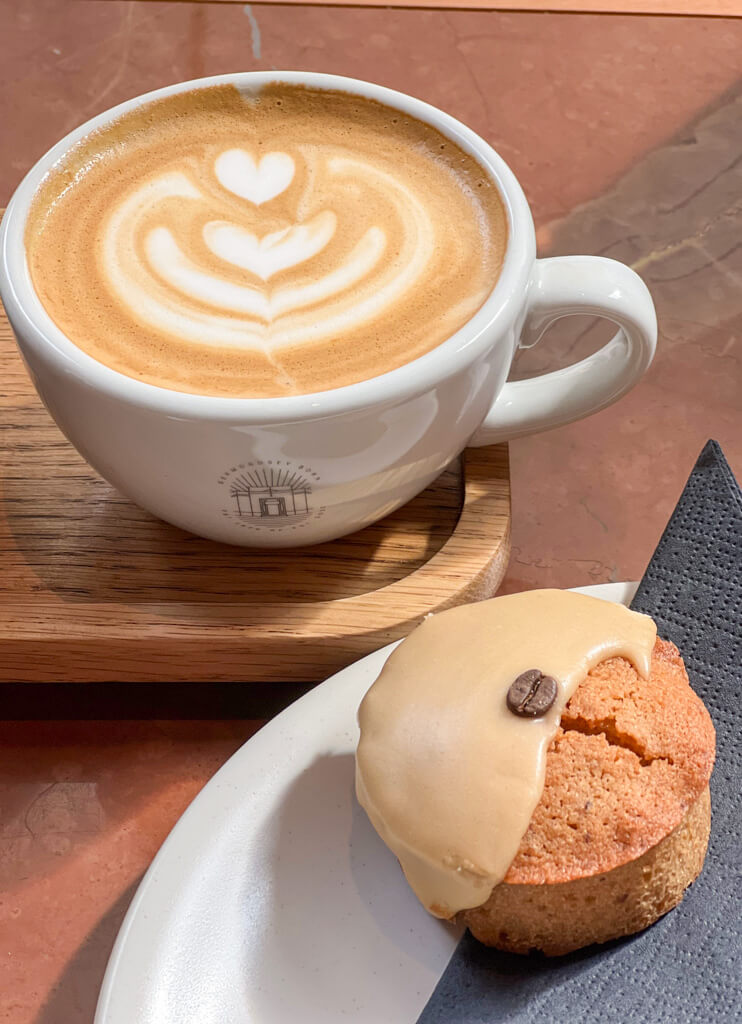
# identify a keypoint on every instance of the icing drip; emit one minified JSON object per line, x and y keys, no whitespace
{"x":447,"y":774}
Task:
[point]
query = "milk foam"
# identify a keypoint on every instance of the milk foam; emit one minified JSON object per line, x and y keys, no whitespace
{"x":159,"y":279}
{"x":210,"y":244}
{"x":257,"y":181}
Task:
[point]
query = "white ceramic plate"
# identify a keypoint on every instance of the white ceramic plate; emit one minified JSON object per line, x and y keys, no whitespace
{"x":273,"y":900}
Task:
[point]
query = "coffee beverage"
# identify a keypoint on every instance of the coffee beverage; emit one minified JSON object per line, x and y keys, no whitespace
{"x":244,"y":235}
{"x":259,"y":244}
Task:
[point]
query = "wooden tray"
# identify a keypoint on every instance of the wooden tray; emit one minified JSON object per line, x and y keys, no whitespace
{"x":94,"y":589}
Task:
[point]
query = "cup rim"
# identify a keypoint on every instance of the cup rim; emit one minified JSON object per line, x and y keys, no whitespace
{"x":451,"y":356}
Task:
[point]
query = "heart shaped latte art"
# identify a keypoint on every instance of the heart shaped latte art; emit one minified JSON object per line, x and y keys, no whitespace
{"x":232,"y":299}
{"x":237,"y":171}
{"x":274,"y":252}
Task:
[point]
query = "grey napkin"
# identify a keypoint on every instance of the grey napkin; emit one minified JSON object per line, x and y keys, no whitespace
{"x":688,"y":966}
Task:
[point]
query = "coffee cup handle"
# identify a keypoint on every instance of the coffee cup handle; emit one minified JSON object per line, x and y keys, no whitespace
{"x":564,"y":286}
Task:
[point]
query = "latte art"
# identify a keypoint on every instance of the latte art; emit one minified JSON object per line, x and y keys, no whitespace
{"x":256,"y":182}
{"x":151,"y":267}
{"x":268,"y":246}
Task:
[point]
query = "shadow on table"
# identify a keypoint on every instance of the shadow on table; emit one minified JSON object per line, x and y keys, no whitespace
{"x":115,"y":701}
{"x":74,"y":996}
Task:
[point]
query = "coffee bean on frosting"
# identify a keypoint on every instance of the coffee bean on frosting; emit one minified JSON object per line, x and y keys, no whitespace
{"x":532,"y":694}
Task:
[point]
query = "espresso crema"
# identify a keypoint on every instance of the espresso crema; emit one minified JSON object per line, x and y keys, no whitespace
{"x":262,"y":244}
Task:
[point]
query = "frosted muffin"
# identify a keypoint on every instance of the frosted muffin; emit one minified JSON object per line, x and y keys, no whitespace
{"x":546,"y":827}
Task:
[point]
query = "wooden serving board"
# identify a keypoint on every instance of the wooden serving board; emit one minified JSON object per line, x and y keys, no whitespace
{"x":94,"y":589}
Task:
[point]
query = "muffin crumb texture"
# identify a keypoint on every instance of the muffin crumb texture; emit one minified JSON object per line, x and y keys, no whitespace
{"x":623,"y":822}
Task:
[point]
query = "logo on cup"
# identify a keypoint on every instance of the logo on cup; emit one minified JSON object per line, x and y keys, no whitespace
{"x":270,"y":494}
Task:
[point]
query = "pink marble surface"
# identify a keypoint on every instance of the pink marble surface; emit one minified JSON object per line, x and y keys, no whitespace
{"x":626,"y":133}
{"x":83,"y":809}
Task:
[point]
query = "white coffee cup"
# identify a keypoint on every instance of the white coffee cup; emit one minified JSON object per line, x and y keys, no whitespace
{"x":279,"y":472}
